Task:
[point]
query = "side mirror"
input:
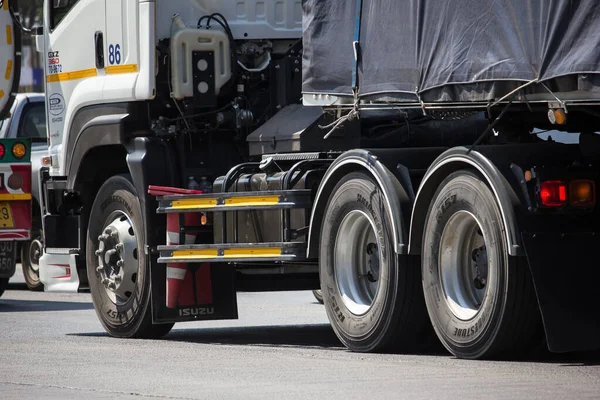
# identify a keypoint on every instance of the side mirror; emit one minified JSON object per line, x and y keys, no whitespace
{"x":39,"y":39}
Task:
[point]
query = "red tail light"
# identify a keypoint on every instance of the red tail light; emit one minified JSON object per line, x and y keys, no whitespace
{"x":2,"y":151}
{"x":553,"y":193}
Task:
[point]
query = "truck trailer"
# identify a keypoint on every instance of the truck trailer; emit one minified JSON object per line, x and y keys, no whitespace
{"x":384,"y":152}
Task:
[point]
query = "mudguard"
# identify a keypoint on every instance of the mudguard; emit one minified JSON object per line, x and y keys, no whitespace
{"x":395,"y":195}
{"x":460,"y":158}
{"x":564,"y":270}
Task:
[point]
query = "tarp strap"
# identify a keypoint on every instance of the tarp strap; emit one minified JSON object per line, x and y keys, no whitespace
{"x":356,"y":46}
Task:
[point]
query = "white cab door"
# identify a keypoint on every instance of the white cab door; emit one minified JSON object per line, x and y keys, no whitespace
{"x":74,"y":79}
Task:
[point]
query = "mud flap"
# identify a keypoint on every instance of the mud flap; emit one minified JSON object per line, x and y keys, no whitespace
{"x":207,"y":293}
{"x":566,"y":276}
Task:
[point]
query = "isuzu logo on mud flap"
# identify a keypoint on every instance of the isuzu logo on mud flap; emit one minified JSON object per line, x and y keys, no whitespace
{"x":185,"y":312}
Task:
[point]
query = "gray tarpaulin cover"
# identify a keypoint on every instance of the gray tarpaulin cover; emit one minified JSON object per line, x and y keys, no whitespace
{"x":451,"y":49}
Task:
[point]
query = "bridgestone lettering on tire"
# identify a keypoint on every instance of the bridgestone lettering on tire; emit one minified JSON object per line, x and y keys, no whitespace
{"x":122,"y":304}
{"x":480,"y":300}
{"x":373,"y":301}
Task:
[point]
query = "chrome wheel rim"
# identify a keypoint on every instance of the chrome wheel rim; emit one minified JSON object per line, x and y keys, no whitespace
{"x":118,"y":258}
{"x":464,"y":265}
{"x":357,"y":262}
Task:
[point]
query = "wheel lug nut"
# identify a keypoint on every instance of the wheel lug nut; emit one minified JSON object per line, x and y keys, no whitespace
{"x":104,"y":281}
{"x":100,"y":268}
{"x":112,"y":285}
{"x":118,"y":279}
{"x":120,"y":263}
{"x":98,"y":252}
{"x":108,"y":231}
{"x":119,"y":247}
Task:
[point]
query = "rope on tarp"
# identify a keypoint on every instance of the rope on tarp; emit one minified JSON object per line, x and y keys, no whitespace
{"x":511,"y":93}
{"x":351,"y":116}
{"x":491,"y":126}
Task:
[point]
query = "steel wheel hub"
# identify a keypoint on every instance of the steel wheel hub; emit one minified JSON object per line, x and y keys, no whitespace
{"x":464,"y":265}
{"x":118,"y":258}
{"x":357,"y":262}
{"x":35,"y":252}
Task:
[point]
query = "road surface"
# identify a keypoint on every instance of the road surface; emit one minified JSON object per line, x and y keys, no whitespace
{"x":53,"y":347}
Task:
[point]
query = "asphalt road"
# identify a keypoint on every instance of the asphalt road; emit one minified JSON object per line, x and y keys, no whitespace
{"x":53,"y":347}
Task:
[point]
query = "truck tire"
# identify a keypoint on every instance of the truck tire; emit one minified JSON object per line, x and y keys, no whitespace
{"x":3,"y":285}
{"x":318,"y":295}
{"x":117,"y":268}
{"x":480,"y":300}
{"x":31,"y":251}
{"x":372,"y":297}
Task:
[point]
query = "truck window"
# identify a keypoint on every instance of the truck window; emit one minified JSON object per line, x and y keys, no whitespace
{"x":33,"y":123}
{"x":60,"y":8}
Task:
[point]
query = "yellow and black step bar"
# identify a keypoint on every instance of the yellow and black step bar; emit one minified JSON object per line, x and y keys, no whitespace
{"x":235,"y":201}
{"x":232,"y":252}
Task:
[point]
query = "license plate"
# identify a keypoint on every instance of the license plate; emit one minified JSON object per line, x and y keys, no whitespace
{"x":7,"y":259}
{"x":6,"y":216}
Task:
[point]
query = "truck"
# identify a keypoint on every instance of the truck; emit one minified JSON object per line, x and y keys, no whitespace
{"x":15,"y":204}
{"x":27,"y":120}
{"x":15,"y":162}
{"x":383,"y":152}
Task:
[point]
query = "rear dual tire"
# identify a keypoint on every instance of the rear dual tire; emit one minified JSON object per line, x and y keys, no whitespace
{"x":480,"y":300}
{"x":372,"y":297}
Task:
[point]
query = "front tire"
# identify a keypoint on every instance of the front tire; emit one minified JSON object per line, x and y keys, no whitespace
{"x":372,"y":297}
{"x":480,"y":300}
{"x":117,"y":267}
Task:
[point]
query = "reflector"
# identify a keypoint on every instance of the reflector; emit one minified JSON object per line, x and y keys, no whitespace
{"x":553,"y":193}
{"x":582,"y":193}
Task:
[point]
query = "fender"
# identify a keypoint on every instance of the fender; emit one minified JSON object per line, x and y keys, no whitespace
{"x":151,"y":162}
{"x":100,"y":125}
{"x":100,"y":131}
{"x":394,"y":193}
{"x":455,"y":159}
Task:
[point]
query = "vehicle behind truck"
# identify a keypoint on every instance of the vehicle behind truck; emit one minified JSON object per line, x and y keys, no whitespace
{"x":383,"y":152}
{"x":15,"y":203}
{"x":15,"y":156}
{"x":27,"y":120}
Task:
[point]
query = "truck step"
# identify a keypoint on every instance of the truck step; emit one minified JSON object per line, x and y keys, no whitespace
{"x":233,"y":252}
{"x":235,"y":201}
